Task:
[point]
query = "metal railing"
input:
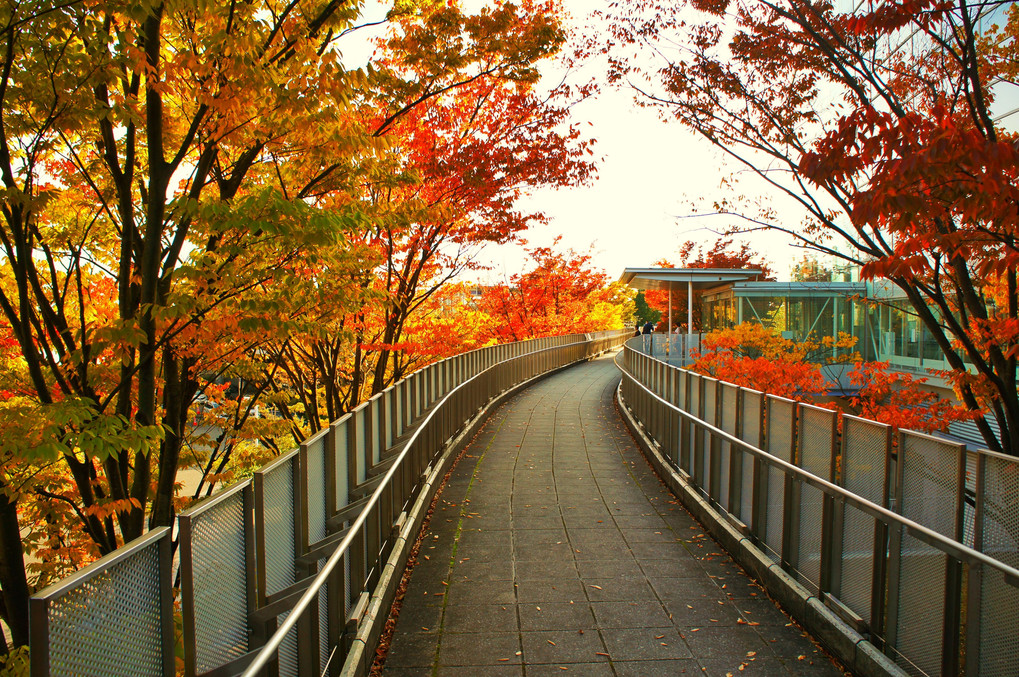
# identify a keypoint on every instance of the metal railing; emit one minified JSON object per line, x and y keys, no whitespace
{"x":277,"y":571}
{"x":674,"y":348}
{"x":914,"y":541}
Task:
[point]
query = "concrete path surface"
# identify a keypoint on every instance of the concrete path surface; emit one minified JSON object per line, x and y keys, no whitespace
{"x":554,"y":549}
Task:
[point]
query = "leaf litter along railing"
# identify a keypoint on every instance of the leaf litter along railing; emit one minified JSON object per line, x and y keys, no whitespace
{"x":915,"y":544}
{"x":308,"y":535}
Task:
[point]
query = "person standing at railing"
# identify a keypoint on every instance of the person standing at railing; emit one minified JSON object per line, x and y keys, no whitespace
{"x":649,"y":327}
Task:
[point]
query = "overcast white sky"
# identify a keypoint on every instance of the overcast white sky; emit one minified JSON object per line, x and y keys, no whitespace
{"x":648,"y":174}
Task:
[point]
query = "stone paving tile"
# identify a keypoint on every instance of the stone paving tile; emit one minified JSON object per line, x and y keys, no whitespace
{"x":747,"y":665}
{"x":539,"y":536}
{"x":492,"y":592}
{"x":585,"y":669}
{"x":725,"y":642}
{"x":609,"y":568}
{"x":418,"y":618}
{"x":480,"y":571}
{"x":563,"y":646}
{"x":789,"y":642}
{"x":412,"y":649}
{"x":558,"y":589}
{"x":556,"y":616}
{"x":479,"y":618}
{"x":645,"y":644}
{"x":704,"y":613}
{"x":761,"y":611}
{"x":501,"y":670}
{"x":499,"y":648}
{"x":618,"y":589}
{"x":630,"y":614}
{"x":645,"y":668}
{"x":554,"y":549}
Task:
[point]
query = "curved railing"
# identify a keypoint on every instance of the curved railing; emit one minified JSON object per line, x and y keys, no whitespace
{"x":292,"y":569}
{"x":913,"y":541}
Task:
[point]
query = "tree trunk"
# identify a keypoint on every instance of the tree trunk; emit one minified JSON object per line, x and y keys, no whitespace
{"x":12,"y":570}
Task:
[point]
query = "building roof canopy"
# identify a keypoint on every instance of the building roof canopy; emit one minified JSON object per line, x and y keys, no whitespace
{"x":681,"y":278}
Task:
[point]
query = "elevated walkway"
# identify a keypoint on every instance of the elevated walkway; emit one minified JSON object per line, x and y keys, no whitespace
{"x":554,"y":548}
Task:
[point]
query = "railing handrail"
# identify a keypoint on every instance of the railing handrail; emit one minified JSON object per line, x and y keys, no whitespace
{"x":269,"y":649}
{"x":428,"y":408}
{"x":99,"y":567}
{"x":947,"y":545}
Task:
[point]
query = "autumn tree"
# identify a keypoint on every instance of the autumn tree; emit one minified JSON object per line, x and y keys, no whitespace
{"x":131,"y":142}
{"x":561,"y":294}
{"x":900,"y":400}
{"x":643,"y":313}
{"x":466,"y":132}
{"x":754,"y":356}
{"x":723,"y":254}
{"x":879,"y":124}
{"x":186,"y":183}
{"x":474,"y":150}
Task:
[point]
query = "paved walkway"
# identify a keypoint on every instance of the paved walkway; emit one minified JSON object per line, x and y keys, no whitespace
{"x":555,"y":549}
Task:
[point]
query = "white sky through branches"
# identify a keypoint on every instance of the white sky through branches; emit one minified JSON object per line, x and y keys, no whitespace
{"x":640,"y":206}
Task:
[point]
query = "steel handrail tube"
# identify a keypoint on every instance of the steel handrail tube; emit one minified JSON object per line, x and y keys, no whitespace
{"x":947,"y":545}
{"x":271,"y":647}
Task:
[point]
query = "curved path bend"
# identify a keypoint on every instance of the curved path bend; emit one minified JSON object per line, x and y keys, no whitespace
{"x":554,"y":549}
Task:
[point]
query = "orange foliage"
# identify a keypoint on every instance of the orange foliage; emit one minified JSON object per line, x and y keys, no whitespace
{"x":560,"y":295}
{"x":898,"y":399}
{"x":753,"y":356}
{"x":913,"y":175}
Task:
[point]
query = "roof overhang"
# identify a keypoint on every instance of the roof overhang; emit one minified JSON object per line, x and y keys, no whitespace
{"x":683,"y":278}
{"x":801,"y":289}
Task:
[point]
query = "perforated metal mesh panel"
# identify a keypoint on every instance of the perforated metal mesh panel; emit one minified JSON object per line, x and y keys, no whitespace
{"x":288,"y":661}
{"x":278,"y":525}
{"x":999,"y":601}
{"x":808,"y":548}
{"x":864,"y":446}
{"x":695,"y":408}
{"x":816,"y":431}
{"x":389,"y":409}
{"x":357,"y":420}
{"x":323,"y":621}
{"x":930,"y":480}
{"x":109,"y":625}
{"x":219,"y":572}
{"x":779,"y":439}
{"x":750,"y":427}
{"x":375,"y":431}
{"x":969,"y":516}
{"x":921,"y":602}
{"x":727,"y":422}
{"x":316,"y":489}
{"x":710,"y":406}
{"x":999,"y":618}
{"x":817,"y":428}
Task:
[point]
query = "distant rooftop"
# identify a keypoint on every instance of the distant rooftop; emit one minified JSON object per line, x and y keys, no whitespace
{"x":699,"y":278}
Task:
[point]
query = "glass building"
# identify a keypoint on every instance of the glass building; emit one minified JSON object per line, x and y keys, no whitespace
{"x":876,"y":313}
{"x":797,"y":310}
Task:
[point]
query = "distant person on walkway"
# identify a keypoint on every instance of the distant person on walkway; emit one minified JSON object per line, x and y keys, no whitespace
{"x":649,"y":327}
